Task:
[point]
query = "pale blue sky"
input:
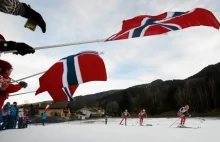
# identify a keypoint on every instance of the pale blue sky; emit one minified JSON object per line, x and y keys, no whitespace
{"x":176,"y":55}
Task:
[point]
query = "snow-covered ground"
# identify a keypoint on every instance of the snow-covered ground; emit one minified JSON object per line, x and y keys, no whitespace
{"x":97,"y":131}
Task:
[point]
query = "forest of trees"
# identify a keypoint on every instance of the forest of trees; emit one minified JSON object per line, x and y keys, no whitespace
{"x":201,"y":91}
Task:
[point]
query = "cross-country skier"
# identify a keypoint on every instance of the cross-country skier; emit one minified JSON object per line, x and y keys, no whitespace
{"x":106,"y":119}
{"x":141,"y":115}
{"x":125,"y":115}
{"x":182,"y":113}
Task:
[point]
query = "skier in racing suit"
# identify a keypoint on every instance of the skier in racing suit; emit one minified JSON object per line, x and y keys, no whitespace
{"x":125,"y":115}
{"x":141,"y":115}
{"x":182,"y":113}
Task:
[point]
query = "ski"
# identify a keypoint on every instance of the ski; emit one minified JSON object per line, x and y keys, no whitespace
{"x":148,"y":125}
{"x":188,"y":127}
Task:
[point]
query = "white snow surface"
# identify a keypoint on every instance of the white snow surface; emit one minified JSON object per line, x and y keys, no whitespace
{"x":97,"y":131}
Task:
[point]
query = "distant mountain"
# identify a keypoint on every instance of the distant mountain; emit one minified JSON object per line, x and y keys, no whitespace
{"x":209,"y":71}
{"x":201,"y":91}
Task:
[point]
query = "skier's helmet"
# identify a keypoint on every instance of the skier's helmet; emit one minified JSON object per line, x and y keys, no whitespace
{"x":187,"y":107}
{"x":126,"y":110}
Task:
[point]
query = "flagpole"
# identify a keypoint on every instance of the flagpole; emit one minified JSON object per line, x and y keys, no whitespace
{"x":21,"y":93}
{"x":61,"y":45}
{"x":13,"y":80}
{"x":28,"y":77}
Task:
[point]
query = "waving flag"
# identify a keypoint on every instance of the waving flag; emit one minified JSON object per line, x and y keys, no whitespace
{"x":146,"y":25}
{"x":63,"y":78}
{"x":47,"y":107}
{"x":63,"y":94}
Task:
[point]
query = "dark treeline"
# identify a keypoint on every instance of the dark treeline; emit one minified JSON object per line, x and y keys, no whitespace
{"x":201,"y":91}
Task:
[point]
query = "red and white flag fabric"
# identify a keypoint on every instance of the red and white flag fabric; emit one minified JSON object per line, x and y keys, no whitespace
{"x":63,"y":78}
{"x":47,"y":107}
{"x":63,"y":94}
{"x":147,"y":25}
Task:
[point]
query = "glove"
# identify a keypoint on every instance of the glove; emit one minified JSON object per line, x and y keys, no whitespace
{"x":21,"y":48}
{"x":34,"y":16}
{"x":23,"y":84}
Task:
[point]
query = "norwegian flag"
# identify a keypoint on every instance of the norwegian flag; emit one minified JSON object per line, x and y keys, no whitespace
{"x":146,"y":25}
{"x":63,"y":94}
{"x":47,"y":107}
{"x":63,"y":78}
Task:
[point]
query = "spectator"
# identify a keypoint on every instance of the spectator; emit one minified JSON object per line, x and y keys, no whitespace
{"x":25,"y":118}
{"x":14,"y":115}
{"x":20,"y":117}
{"x":44,"y":117}
{"x":5,"y":115}
{"x":0,"y":117}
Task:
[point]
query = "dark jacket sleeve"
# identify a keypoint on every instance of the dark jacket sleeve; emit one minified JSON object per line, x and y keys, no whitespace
{"x":7,"y":45}
{"x":13,"y":7}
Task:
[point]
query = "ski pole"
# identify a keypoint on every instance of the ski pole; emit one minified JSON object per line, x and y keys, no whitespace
{"x":174,"y":122}
{"x":201,"y":119}
{"x":137,"y":122}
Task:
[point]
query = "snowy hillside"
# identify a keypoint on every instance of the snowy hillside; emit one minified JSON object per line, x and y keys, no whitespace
{"x":97,"y":131}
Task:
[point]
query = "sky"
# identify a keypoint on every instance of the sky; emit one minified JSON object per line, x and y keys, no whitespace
{"x":176,"y":55}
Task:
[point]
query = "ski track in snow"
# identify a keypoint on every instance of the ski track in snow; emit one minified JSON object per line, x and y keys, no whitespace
{"x":97,"y":131}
